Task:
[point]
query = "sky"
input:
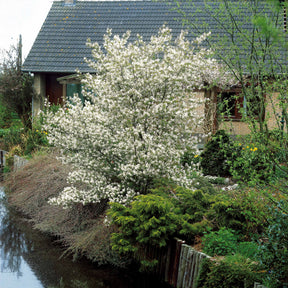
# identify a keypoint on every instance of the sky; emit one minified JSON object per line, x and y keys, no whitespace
{"x":23,"y":17}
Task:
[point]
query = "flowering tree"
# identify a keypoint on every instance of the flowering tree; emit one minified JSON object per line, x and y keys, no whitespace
{"x":138,"y":117}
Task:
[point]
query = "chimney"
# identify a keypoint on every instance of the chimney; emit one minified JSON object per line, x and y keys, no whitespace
{"x":70,"y":2}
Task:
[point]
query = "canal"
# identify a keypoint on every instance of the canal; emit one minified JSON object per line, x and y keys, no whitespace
{"x":29,"y":259}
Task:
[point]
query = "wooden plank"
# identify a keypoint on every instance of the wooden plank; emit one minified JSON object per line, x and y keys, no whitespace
{"x":182,"y":265}
{"x":188,"y":267}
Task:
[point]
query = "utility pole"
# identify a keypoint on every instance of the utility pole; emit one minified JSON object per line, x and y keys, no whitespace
{"x":19,"y":54}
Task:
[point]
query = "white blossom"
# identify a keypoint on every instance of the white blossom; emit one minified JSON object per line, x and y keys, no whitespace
{"x":139,"y":116}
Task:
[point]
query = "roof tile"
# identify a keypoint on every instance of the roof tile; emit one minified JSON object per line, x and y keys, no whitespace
{"x":61,"y":43}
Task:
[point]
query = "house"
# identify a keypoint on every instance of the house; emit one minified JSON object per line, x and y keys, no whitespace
{"x":60,"y":46}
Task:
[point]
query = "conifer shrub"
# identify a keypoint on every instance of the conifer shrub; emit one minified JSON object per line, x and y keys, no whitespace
{"x":150,"y":221}
{"x":153,"y":219}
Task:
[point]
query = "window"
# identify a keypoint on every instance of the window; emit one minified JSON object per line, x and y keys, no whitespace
{"x":74,"y":88}
{"x":254,"y":106}
{"x":230,"y":104}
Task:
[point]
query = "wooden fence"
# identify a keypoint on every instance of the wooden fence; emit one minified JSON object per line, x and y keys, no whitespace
{"x":178,"y":265}
{"x":18,"y":162}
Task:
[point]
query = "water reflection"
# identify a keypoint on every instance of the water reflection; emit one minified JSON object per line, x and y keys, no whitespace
{"x":12,"y":247}
{"x":12,"y":243}
{"x":29,"y":259}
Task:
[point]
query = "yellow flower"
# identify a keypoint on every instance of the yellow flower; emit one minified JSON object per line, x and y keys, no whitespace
{"x":255,"y":149}
{"x":247,"y":147}
{"x":195,"y":156}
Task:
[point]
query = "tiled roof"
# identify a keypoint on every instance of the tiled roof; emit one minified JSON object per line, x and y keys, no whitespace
{"x":61,"y":43}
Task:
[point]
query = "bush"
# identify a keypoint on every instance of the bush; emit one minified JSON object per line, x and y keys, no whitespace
{"x":35,"y":139}
{"x":278,"y":143}
{"x":190,"y":158}
{"x":151,"y":221}
{"x":215,"y":155}
{"x":190,"y":205}
{"x":221,"y":243}
{"x":273,"y":252}
{"x":12,"y":138}
{"x":242,"y":212}
{"x":7,"y":117}
{"x":252,"y":163}
{"x":154,"y":219}
{"x":228,"y":273}
{"x":248,"y":249}
{"x":194,"y":203}
{"x":27,"y":141}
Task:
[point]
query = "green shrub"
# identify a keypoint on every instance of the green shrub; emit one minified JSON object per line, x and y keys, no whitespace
{"x":6,"y":117}
{"x":11,"y":138}
{"x":278,"y":143}
{"x":252,"y":163}
{"x":194,"y":203}
{"x":34,"y":139}
{"x":248,"y":249}
{"x":222,"y":242}
{"x":243,"y":210}
{"x":190,"y":206}
{"x":273,"y":252}
{"x":234,"y":271}
{"x":28,"y":141}
{"x":151,"y":220}
{"x":215,"y":155}
{"x":190,"y":158}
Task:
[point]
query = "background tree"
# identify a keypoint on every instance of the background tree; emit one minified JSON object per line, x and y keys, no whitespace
{"x":248,"y":37}
{"x":16,"y":87}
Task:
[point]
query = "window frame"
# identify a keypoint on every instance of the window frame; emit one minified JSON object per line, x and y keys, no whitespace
{"x":239,"y":104}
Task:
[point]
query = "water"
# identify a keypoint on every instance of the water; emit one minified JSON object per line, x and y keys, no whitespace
{"x":28,"y":259}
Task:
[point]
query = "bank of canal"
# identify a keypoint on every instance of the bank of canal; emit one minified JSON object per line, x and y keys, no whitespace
{"x":30,"y":259}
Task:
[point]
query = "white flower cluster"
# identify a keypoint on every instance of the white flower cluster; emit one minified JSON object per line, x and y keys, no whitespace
{"x":139,"y":116}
